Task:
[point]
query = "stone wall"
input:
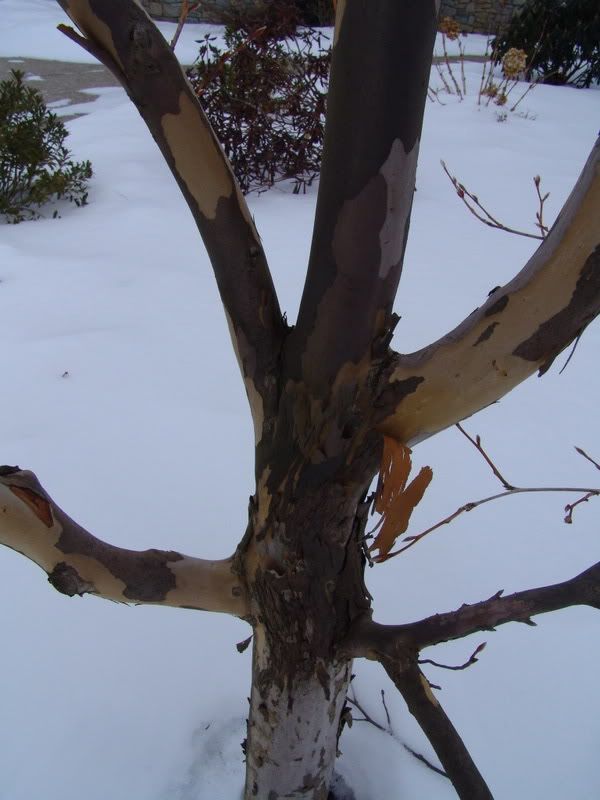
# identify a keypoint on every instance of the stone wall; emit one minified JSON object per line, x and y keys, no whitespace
{"x":474,"y":16}
{"x":481,"y":16}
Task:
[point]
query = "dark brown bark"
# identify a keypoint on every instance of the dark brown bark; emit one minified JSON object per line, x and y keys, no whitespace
{"x":583,"y":589}
{"x":445,"y":740}
{"x":379,"y":76}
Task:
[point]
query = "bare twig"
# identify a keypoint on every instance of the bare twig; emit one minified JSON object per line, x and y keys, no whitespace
{"x":471,"y":660}
{"x":476,"y":442}
{"x":539,"y":216}
{"x":385,"y":708}
{"x":479,"y":211}
{"x":366,"y":717}
{"x":440,"y":72}
{"x":525,"y":93}
{"x":571,"y":354}
{"x":186,"y":9}
{"x":570,"y":507}
{"x":449,"y":68}
{"x":582,"y":452}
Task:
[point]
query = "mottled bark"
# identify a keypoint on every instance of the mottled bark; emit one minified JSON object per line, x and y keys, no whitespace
{"x":518,"y":331}
{"x":121,"y":35}
{"x":78,"y":563}
{"x":303,"y":566}
{"x":322,"y":395}
{"x":378,"y":87}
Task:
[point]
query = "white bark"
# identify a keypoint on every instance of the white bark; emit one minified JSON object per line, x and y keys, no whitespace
{"x":293,"y":728}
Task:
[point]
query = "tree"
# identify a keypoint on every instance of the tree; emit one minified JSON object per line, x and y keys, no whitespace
{"x":324,"y":393}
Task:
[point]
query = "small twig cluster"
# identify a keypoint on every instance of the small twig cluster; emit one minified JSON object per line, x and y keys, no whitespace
{"x":491,"y":87}
{"x":388,"y":728}
{"x":479,"y":211}
{"x":509,"y":489}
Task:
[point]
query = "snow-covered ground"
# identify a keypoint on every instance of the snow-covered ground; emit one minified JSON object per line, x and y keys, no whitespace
{"x":121,"y":391}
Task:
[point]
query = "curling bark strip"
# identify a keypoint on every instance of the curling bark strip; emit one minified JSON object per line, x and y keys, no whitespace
{"x":76,"y":562}
{"x":519,"y":330}
{"x":122,"y":36}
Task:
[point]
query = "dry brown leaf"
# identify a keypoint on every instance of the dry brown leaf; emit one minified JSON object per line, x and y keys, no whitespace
{"x":394,"y":500}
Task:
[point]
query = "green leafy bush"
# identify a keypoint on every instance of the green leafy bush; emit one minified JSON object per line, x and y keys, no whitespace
{"x":265,"y":98}
{"x":561,"y":39}
{"x":34,"y":163}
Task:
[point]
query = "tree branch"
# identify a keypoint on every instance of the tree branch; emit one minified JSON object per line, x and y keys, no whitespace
{"x":521,"y":328}
{"x":443,"y":736}
{"x":78,"y":563}
{"x":583,"y":589}
{"x":366,"y":186}
{"x":121,"y":35}
{"x":375,"y":641}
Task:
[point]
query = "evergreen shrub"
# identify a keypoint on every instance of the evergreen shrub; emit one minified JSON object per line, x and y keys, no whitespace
{"x":35,"y":167}
{"x":561,"y":39}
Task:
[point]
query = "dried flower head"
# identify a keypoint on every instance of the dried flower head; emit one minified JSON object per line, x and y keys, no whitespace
{"x":514,"y":63}
{"x":491,"y":90}
{"x":450,"y":28}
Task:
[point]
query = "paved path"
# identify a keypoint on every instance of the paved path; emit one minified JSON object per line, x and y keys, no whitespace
{"x":63,"y":80}
{"x":60,"y":80}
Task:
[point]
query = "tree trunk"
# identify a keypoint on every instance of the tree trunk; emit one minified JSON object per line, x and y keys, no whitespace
{"x":303,"y":562}
{"x":293,"y":726}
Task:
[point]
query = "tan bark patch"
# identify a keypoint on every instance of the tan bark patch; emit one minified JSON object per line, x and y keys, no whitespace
{"x":340,"y":8}
{"x":207,"y":177}
{"x":427,"y":689}
{"x":396,"y":170}
{"x":205,"y":585}
{"x":254,"y":397}
{"x":92,"y":26}
{"x":256,"y":408}
{"x":263,"y":498}
{"x":92,"y":571}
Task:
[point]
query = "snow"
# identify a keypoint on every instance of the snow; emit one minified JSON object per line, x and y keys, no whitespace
{"x":121,"y":391}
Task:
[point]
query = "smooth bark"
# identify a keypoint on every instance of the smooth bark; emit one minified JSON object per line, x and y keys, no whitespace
{"x":322,"y":394}
{"x":518,"y":331}
{"x":122,"y":35}
{"x":78,"y":563}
